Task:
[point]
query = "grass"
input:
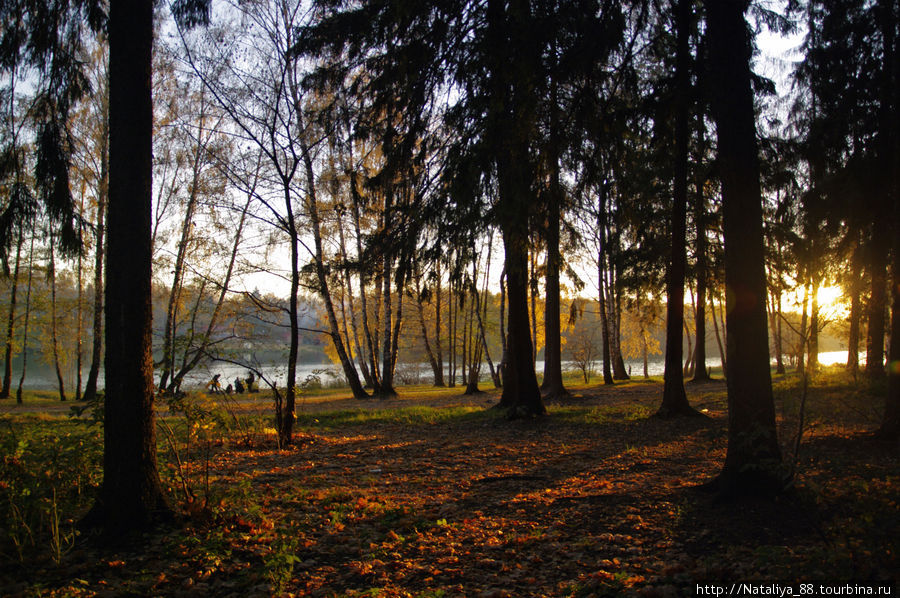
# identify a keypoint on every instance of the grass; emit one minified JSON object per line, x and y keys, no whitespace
{"x":410,"y":416}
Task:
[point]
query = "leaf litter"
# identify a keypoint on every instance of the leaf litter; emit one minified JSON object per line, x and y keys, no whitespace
{"x":595,"y":499}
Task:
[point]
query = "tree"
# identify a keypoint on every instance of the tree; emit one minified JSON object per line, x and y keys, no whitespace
{"x":753,"y":460}
{"x":130,"y":496}
{"x":674,"y":401}
{"x":890,"y":98}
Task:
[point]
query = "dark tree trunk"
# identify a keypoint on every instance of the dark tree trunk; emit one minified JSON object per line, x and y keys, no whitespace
{"x":438,"y":348}
{"x":504,"y":348}
{"x":420,"y":312}
{"x":25,"y":325}
{"x":11,"y":321}
{"x":813,"y":363}
{"x":533,"y":291}
{"x":54,"y":323}
{"x":521,"y":395}
{"x":775,"y":328}
{"x":803,"y":343}
{"x":674,"y":400}
{"x":890,"y":424}
{"x":130,"y":495}
{"x":512,"y":132}
{"x":552,"y":384}
{"x":601,"y":284}
{"x":79,"y":319}
{"x":363,"y":300}
{"x":701,"y":372}
{"x":878,"y":252}
{"x":90,"y":387}
{"x":853,"y":335}
{"x":753,"y":462}
{"x":481,"y":303}
{"x":615,"y":318}
{"x":719,"y":339}
{"x":452,"y":321}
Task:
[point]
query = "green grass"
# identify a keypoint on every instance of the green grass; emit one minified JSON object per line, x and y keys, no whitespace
{"x":414,"y":416}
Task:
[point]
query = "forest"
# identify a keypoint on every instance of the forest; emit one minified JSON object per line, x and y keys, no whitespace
{"x":449,"y":298}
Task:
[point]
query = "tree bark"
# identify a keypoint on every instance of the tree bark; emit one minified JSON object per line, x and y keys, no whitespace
{"x":130,"y":495}
{"x":54,"y":324}
{"x":11,"y":321}
{"x":438,"y":309}
{"x":674,"y":400}
{"x":890,"y":424}
{"x":803,"y":342}
{"x":878,"y":251}
{"x":552,"y":384}
{"x":601,"y":287}
{"x":26,"y":323}
{"x":753,"y":461}
{"x":813,"y":360}
{"x":420,"y":312}
{"x":701,"y":372}
{"x":719,"y":339}
{"x":90,"y":387}
{"x":855,"y":292}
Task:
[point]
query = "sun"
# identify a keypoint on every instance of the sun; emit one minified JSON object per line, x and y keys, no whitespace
{"x":831,"y":296}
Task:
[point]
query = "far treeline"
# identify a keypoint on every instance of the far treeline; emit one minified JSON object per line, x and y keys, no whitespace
{"x":429,"y":170}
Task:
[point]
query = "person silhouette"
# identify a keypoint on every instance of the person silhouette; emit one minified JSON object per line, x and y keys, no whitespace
{"x":214,"y":385}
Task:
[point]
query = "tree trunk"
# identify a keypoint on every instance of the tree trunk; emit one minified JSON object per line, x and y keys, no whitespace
{"x":890,"y":424}
{"x":803,"y":343}
{"x":813,"y":363}
{"x":753,"y":461}
{"x":11,"y":321}
{"x":322,"y":279}
{"x":420,"y":311}
{"x":54,"y":324}
{"x":878,"y":252}
{"x":473,"y":354}
{"x":775,"y":328}
{"x":719,"y":340}
{"x":533,"y":290}
{"x":495,"y":374}
{"x":79,"y":316}
{"x":512,"y":120}
{"x":701,"y":371}
{"x":26,"y":323}
{"x":194,"y":355}
{"x":90,"y":387}
{"x":452,"y":317}
{"x":674,"y":400}
{"x":504,"y":348}
{"x":618,"y":362}
{"x":601,"y":290}
{"x":521,"y":395}
{"x":130,"y":495}
{"x":363,"y":300}
{"x":181,"y":253}
{"x":552,"y":385}
{"x":438,"y":308}
{"x":387,"y":367}
{"x":855,"y":292}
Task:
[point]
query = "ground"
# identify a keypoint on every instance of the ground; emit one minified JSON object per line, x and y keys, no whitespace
{"x":434,"y":494}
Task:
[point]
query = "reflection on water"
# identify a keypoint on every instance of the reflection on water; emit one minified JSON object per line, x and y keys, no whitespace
{"x":327,"y":374}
